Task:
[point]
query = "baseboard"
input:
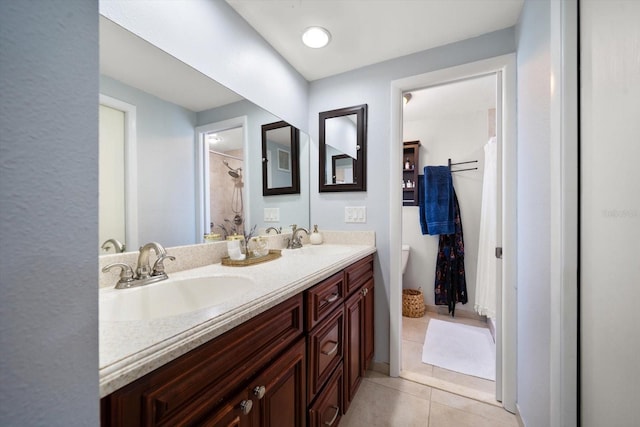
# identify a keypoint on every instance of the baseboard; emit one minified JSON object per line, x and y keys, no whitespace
{"x":380,"y":367}
{"x":518,"y":417}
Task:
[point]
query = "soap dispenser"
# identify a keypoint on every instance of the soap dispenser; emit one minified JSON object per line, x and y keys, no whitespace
{"x":315,"y":238}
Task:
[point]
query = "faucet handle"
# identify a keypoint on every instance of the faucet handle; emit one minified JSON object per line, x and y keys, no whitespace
{"x":158,"y":266}
{"x":126,"y":273}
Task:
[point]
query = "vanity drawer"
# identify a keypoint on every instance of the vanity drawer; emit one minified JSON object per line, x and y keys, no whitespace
{"x":325,"y":345}
{"x":191,"y":385}
{"x":323,"y":298}
{"x":327,"y":409}
{"x":358,"y":274}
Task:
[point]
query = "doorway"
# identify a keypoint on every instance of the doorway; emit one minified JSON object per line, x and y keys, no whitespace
{"x":222,"y":207}
{"x":454,"y":123}
{"x":504,"y":69}
{"x":118,"y":208}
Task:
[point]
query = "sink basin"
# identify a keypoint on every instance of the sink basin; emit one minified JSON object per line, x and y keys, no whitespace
{"x":319,"y":250}
{"x":171,"y":297}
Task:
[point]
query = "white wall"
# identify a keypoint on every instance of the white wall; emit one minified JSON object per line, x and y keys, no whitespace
{"x":610,"y":213}
{"x":372,"y":85}
{"x":461,"y":137}
{"x":533,"y":292}
{"x":224,"y":47}
{"x":49,"y":213}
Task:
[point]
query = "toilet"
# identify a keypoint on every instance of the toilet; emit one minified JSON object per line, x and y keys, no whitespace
{"x":405,"y":257}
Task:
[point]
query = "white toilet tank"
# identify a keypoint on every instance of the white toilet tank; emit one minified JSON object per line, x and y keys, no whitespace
{"x":405,"y":256}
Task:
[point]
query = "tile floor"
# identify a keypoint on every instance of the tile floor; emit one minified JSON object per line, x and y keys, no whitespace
{"x":426,"y":395}
{"x":383,"y":401}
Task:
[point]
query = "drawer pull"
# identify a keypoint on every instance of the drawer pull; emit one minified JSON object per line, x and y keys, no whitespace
{"x":333,"y":350}
{"x":333,"y":420}
{"x":245,"y":406}
{"x":259,"y":391}
{"x":332,"y":298}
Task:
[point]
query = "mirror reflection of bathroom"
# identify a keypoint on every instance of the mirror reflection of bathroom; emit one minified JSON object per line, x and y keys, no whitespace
{"x":455,"y":121}
{"x":226,"y":181}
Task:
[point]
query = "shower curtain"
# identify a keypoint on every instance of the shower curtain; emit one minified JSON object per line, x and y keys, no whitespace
{"x":486,"y":281}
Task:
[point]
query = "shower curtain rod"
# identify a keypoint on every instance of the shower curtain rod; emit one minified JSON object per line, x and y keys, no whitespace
{"x":461,"y":163}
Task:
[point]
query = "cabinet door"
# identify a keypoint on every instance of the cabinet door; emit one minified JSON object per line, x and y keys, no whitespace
{"x":369,"y":316}
{"x":279,"y":391}
{"x":358,"y":339}
{"x":354,"y":347}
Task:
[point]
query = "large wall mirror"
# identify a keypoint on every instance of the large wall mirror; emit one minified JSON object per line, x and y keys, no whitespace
{"x":280,"y":159}
{"x":179,"y":131}
{"x":343,"y":149}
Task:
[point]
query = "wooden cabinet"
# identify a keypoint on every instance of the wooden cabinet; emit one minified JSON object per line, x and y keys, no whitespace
{"x":279,"y":369}
{"x":209,"y":382}
{"x":410,"y":171}
{"x":359,"y":332}
{"x":279,"y":392}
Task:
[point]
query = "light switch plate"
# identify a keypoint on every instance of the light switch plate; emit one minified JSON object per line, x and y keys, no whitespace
{"x":271,"y":214}
{"x":355,"y":214}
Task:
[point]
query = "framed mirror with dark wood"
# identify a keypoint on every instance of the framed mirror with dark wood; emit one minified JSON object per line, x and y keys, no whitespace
{"x":280,"y":159}
{"x":343,"y":149}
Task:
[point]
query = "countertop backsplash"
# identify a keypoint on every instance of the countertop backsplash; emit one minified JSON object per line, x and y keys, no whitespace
{"x":199,"y":255}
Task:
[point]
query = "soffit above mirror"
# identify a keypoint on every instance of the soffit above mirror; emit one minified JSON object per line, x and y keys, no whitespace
{"x":149,"y":69}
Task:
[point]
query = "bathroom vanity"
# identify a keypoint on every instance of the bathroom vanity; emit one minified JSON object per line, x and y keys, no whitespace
{"x":291,"y":354}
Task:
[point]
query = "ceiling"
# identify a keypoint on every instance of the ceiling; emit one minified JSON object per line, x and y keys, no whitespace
{"x":472,"y":95}
{"x":365,"y":32}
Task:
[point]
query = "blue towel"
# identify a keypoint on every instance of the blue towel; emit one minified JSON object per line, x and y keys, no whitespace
{"x":437,"y":208}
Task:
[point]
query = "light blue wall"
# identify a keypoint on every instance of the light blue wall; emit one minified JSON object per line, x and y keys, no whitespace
{"x":372,"y":85}
{"x":534,"y":334}
{"x":166,"y":165}
{"x":49,"y":213}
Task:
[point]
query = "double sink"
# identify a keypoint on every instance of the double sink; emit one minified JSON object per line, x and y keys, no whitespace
{"x":177,"y":296}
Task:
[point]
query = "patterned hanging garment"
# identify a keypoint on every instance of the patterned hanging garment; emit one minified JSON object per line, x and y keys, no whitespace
{"x":450,"y":283}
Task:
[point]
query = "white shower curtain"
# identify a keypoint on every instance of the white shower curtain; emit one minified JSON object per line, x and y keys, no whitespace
{"x":486,"y":281}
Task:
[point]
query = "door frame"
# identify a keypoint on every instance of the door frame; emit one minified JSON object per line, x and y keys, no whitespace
{"x":203,"y":209}
{"x":130,"y":167}
{"x":506,"y":322}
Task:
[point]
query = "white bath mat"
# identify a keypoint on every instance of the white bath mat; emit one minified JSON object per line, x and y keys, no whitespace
{"x":462,"y":348}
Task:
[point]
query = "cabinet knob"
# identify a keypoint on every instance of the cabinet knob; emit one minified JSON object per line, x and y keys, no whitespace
{"x":245,"y":406}
{"x":259,"y":391}
{"x":364,"y":292}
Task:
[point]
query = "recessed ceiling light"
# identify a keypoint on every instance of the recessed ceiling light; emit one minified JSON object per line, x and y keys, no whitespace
{"x":214,"y":138}
{"x":316,"y":37}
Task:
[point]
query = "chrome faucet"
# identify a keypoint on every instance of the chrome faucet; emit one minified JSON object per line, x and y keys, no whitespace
{"x":118,"y":246}
{"x":296,"y":241}
{"x":144,"y":274}
{"x":277,"y":230}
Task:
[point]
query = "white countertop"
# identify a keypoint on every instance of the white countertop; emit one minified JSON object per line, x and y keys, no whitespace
{"x":131,"y":349}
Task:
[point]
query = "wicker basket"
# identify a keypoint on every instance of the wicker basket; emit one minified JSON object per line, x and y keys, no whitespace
{"x":412,"y":303}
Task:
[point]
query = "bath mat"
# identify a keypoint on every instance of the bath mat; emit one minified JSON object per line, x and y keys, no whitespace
{"x":462,"y":348}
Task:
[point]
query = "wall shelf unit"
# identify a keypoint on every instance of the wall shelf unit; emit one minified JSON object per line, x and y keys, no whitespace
{"x":410,"y":169}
